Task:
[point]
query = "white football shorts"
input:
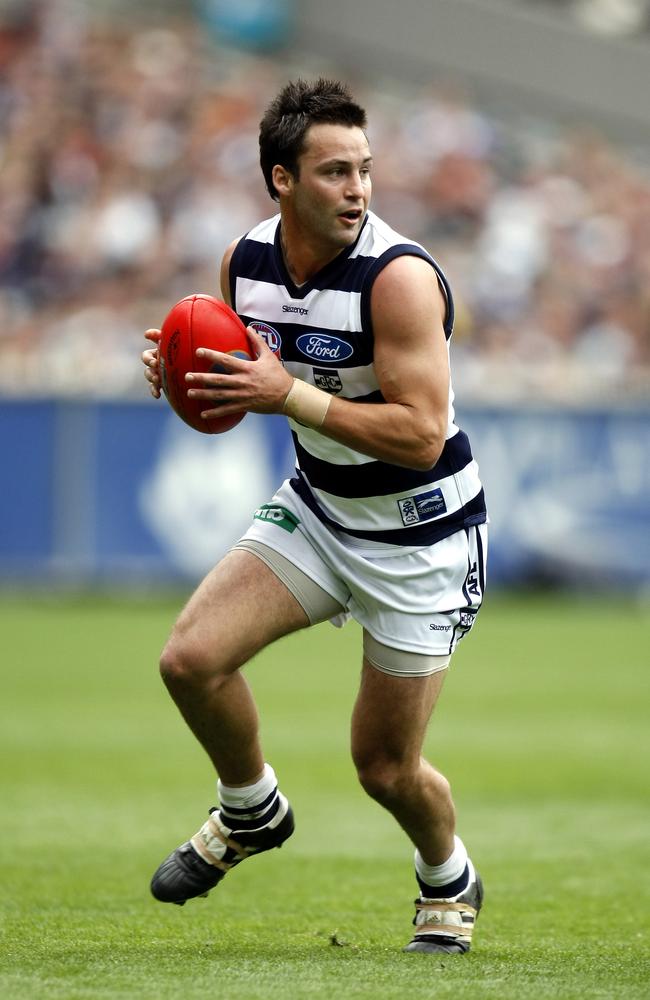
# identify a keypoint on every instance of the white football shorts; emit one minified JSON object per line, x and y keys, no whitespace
{"x":414,"y":604}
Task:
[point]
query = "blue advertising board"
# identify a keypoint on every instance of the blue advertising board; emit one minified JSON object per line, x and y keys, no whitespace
{"x":103,"y":491}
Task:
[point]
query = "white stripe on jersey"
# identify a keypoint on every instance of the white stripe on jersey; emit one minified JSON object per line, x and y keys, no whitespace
{"x":264,"y":232}
{"x":377,"y":238}
{"x":328,"y":309}
{"x":380,"y":513}
{"x":327,"y":449}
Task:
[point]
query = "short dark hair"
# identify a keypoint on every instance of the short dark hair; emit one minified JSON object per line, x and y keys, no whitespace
{"x":298,"y":106}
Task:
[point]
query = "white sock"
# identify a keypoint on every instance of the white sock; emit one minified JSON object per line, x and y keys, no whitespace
{"x":252,"y":807}
{"x":258,"y":801}
{"x":448,"y":872}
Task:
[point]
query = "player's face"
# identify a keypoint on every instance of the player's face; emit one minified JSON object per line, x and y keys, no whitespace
{"x":331,"y":194}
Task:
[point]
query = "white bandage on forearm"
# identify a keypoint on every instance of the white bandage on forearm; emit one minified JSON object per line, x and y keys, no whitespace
{"x":306,"y":404}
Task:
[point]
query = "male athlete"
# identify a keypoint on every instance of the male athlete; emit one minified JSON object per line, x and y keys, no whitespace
{"x":384,"y":520}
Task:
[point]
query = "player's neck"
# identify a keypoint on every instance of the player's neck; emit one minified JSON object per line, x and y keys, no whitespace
{"x":301,"y":259}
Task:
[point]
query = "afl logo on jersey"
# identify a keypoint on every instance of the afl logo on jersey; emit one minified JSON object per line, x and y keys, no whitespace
{"x":322,"y":347}
{"x":271,"y":336}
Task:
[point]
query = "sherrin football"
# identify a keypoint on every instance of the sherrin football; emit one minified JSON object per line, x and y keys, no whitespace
{"x":199,"y":321}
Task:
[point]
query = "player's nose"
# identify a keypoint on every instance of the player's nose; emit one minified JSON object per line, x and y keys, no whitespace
{"x":355,"y":187}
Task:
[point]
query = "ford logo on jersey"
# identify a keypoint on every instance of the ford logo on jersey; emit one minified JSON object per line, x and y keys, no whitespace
{"x":323,"y":347}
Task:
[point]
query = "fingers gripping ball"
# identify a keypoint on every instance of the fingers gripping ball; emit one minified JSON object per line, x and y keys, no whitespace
{"x":199,"y":321}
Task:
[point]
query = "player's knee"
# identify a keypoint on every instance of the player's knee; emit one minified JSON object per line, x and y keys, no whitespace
{"x":391,"y":780}
{"x":184,"y":665}
{"x":384,"y":778}
{"x":175,"y":668}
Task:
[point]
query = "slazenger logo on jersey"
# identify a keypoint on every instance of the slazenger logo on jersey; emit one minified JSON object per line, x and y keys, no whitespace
{"x":271,"y":336}
{"x":275,"y":514}
{"x":422,"y":507}
{"x":300,"y":310}
{"x":323,"y":347}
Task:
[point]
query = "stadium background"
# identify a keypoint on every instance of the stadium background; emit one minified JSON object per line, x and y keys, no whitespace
{"x":512,"y":139}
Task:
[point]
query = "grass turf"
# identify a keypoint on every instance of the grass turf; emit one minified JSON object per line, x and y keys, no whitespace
{"x":542,"y":728}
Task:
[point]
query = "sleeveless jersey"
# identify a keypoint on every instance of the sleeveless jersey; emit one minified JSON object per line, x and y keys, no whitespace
{"x":322,"y":331}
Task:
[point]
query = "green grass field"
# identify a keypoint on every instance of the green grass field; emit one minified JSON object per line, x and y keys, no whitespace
{"x":543,"y":729}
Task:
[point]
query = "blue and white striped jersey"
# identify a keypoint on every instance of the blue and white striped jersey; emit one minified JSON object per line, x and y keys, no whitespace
{"x":323,"y":333}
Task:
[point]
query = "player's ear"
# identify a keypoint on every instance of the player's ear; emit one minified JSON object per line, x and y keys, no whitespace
{"x":283,"y":179}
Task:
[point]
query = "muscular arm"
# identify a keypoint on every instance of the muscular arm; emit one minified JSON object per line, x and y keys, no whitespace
{"x":412,"y":368}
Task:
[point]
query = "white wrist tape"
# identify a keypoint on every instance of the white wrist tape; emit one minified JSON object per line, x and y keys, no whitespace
{"x":306,"y":404}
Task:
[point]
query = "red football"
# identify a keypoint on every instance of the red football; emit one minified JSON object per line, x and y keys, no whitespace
{"x":198,"y":321}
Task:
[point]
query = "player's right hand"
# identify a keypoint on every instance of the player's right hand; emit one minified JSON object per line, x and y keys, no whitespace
{"x":151,"y":362}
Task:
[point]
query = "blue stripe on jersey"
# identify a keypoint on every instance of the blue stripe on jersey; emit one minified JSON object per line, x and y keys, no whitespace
{"x":381,"y":478}
{"x":426,"y":533}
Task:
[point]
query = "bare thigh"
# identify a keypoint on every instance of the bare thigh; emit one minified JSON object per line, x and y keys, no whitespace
{"x":239,"y":608}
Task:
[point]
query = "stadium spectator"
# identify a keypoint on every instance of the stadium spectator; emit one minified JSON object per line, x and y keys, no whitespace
{"x":126,"y":163}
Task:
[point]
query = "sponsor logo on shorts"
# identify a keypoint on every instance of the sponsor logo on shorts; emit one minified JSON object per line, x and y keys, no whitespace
{"x":271,"y":336}
{"x":275,"y":514}
{"x":324,"y":347}
{"x":439,"y":628}
{"x":328,"y":381}
{"x":422,"y":507}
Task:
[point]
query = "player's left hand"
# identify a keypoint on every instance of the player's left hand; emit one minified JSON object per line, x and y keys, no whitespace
{"x":259,"y":386}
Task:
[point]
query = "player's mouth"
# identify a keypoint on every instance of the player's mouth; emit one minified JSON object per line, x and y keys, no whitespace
{"x":352,"y":216}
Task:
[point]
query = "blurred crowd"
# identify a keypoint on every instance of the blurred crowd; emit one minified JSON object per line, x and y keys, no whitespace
{"x":128,"y":161}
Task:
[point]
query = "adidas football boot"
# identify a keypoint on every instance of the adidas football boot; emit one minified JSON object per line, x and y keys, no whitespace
{"x":197,"y":866}
{"x":446,"y":925}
